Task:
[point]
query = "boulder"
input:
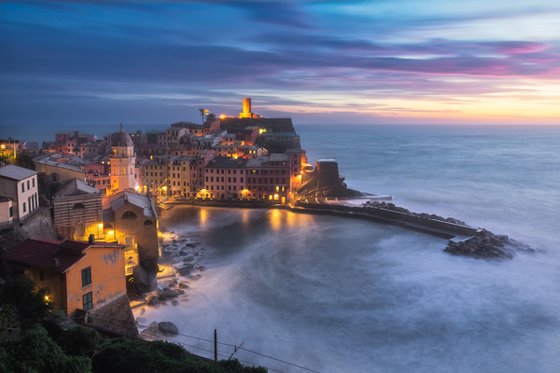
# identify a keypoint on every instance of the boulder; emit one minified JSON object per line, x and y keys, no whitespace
{"x":167,"y":327}
{"x":167,"y":294}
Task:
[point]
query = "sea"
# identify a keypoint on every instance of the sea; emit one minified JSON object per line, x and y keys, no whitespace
{"x":303,"y":293}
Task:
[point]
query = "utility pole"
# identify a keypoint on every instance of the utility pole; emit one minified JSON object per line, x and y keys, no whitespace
{"x":215,"y":345}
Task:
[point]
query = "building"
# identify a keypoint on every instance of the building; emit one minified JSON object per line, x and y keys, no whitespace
{"x":20,"y":184}
{"x":122,"y":161}
{"x":78,"y":211}
{"x":268,"y":178}
{"x":6,"y":211}
{"x":131,"y":219}
{"x":79,"y":276}
{"x":224,"y":179}
{"x":60,"y":169}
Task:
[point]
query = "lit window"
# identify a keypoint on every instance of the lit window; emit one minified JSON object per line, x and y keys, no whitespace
{"x":86,"y":276}
{"x":87,"y":300}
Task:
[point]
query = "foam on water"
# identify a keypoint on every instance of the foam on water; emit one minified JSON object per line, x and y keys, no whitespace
{"x":340,"y":295}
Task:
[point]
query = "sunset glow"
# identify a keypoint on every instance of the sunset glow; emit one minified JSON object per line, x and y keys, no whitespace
{"x":316,"y":61}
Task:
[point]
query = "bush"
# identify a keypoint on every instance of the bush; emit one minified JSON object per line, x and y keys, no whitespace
{"x":158,"y":356}
{"x":79,"y":341}
{"x":35,"y":351}
{"x":28,"y":303}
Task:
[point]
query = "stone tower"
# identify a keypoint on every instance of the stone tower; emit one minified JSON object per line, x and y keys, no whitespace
{"x":122,"y":160}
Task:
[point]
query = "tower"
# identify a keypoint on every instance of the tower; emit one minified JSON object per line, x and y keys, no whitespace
{"x":246,"y":113}
{"x":122,"y":160}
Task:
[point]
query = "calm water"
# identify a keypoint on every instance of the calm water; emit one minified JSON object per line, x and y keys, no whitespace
{"x":343,"y":295}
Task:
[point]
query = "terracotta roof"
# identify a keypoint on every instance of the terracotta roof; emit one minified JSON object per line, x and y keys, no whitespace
{"x":47,"y":255}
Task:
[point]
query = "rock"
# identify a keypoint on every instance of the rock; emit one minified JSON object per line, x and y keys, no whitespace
{"x":191,"y":245}
{"x":168,"y":328}
{"x":195,"y":277}
{"x":186,"y":270}
{"x":182,"y":285}
{"x":484,"y":245}
{"x":201,"y":268}
{"x":174,"y":302}
{"x":167,"y":294}
{"x":152,"y":301}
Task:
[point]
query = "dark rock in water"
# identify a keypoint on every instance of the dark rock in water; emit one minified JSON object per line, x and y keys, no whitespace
{"x":152,"y":301}
{"x":186,"y":270}
{"x":168,"y":327}
{"x":182,"y":285}
{"x":191,"y":245}
{"x":167,"y":293}
{"x":485,"y":245}
{"x":174,"y":302}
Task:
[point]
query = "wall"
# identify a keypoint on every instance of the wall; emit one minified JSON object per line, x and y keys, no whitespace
{"x":145,"y":236}
{"x":78,"y":223}
{"x":5,"y":217}
{"x":107,"y":275}
{"x":62,"y":174}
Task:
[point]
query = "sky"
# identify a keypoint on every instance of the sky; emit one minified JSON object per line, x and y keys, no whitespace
{"x":85,"y":63}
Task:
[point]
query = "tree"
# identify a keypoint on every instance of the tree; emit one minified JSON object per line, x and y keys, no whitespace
{"x":35,"y":351}
{"x":29,"y":303}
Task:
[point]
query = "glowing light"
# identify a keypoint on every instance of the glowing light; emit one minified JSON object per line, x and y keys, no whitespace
{"x":262,"y":130}
{"x":223,"y":116}
{"x":3,"y":146}
{"x":275,"y":219}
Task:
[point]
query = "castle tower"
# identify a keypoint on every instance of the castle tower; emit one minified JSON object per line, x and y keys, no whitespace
{"x":246,"y":113}
{"x":122,"y":160}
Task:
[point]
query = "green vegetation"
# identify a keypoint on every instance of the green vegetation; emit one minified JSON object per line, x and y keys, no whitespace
{"x":26,"y":346}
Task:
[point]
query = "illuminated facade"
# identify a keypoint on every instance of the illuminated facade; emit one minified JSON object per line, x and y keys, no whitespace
{"x":79,"y":276}
{"x":122,"y":161}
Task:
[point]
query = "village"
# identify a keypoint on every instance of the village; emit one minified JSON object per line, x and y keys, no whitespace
{"x":84,"y":222}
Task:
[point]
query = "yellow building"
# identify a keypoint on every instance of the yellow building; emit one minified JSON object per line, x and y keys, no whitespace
{"x":80,"y":276}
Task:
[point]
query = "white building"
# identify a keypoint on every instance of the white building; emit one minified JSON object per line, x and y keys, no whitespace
{"x":20,"y":184}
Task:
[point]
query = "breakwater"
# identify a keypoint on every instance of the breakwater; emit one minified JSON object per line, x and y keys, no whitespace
{"x":463,"y":239}
{"x":437,"y":227}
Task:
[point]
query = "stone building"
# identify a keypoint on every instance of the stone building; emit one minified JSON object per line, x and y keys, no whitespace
{"x":78,"y":212}
{"x":131,"y":219}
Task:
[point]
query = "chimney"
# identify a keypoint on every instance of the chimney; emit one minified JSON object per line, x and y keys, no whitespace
{"x":91,"y":239}
{"x":56,"y":262}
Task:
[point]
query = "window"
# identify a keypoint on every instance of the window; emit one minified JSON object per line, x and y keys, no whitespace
{"x":128,"y":215}
{"x":86,"y":276}
{"x":24,"y":207}
{"x":22,"y":187}
{"x":33,"y":182}
{"x":28,"y":185}
{"x":87,"y":301}
{"x":11,"y":211}
{"x":78,"y":206}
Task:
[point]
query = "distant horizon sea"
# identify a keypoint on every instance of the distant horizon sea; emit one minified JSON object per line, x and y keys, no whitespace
{"x":343,"y":295}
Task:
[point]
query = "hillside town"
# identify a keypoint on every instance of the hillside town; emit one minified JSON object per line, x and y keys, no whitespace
{"x":79,"y":215}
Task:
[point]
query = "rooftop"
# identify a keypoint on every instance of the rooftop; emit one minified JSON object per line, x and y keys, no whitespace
{"x":74,"y":187}
{"x":227,"y":162}
{"x":47,"y":255}
{"x":137,"y":199}
{"x":15,"y":172}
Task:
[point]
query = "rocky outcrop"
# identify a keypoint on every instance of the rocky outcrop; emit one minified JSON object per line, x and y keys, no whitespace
{"x":487,"y":245}
{"x":167,"y":327}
